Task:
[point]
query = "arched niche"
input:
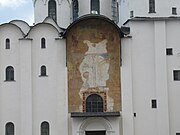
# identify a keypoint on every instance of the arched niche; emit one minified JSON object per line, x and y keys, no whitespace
{"x":96,"y":124}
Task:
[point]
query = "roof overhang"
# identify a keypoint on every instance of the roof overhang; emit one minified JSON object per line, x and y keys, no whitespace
{"x":152,"y":19}
{"x":93,"y":16}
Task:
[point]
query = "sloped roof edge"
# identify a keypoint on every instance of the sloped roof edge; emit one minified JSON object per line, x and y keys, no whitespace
{"x":13,"y":25}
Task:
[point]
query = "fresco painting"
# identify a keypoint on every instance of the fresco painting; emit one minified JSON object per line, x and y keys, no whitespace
{"x":93,"y":62}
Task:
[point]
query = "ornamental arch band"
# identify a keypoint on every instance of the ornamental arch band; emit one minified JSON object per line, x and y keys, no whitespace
{"x":93,"y":62}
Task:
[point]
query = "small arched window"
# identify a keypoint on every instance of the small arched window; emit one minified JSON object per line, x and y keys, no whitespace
{"x":52,"y":9}
{"x":44,"y":128}
{"x":95,"y":7}
{"x":9,"y":73}
{"x":94,"y":103}
{"x":43,"y":43}
{"x":43,"y":71}
{"x":7,"y":45}
{"x":9,"y":129}
{"x":75,"y":9}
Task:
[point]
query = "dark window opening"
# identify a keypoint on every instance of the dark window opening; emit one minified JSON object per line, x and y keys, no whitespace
{"x":43,"y":43}
{"x":174,"y":11}
{"x":44,"y":128}
{"x":75,"y":9}
{"x":7,"y":43}
{"x":169,"y":51}
{"x":177,"y":133}
{"x":52,"y":9}
{"x":154,"y":103}
{"x":131,"y":14}
{"x":9,"y":128}
{"x":95,"y":132}
{"x":9,"y":73}
{"x":43,"y":71}
{"x":94,"y":103}
{"x":95,"y":7}
{"x":176,"y":74}
{"x":151,"y":6}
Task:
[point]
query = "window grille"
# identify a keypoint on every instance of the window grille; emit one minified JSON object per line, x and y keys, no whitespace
{"x":94,"y":103}
{"x":9,"y":128}
{"x":9,"y":73}
{"x":44,"y":128}
{"x":43,"y":71}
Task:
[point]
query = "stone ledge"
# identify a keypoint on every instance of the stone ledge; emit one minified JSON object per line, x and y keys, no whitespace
{"x":95,"y":114}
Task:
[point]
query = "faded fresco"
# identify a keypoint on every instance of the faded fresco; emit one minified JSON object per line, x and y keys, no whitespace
{"x":95,"y":66}
{"x":93,"y":61}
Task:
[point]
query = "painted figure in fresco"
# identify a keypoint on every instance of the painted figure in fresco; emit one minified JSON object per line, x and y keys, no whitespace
{"x":95,"y":66}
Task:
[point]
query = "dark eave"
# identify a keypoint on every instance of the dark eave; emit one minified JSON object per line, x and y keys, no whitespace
{"x":152,"y":19}
{"x":94,"y":114}
{"x":93,"y":16}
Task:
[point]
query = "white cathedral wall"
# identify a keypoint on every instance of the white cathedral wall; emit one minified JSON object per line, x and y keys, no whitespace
{"x":40,"y":11}
{"x":9,"y":90}
{"x":63,"y":14}
{"x":84,"y":7}
{"x":106,"y":8}
{"x":49,"y":93}
{"x":30,"y":99}
{"x":173,"y":63}
{"x":146,"y":65}
{"x":25,"y":87}
{"x":141,"y":8}
{"x":138,"y":87}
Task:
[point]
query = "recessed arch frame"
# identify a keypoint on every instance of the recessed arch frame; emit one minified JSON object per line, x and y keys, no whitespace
{"x":104,"y":122}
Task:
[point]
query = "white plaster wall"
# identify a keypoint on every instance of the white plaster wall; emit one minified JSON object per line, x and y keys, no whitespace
{"x":84,"y":7}
{"x":63,"y":14}
{"x":140,"y":8}
{"x":26,"y":86}
{"x":10,"y":90}
{"x":40,"y":11}
{"x":173,"y":63}
{"x":143,"y":71}
{"x":49,"y":93}
{"x":140,"y":60}
{"x":149,"y":72}
{"x":30,"y":99}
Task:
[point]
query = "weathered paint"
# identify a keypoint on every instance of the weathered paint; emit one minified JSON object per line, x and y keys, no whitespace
{"x":93,"y":57}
